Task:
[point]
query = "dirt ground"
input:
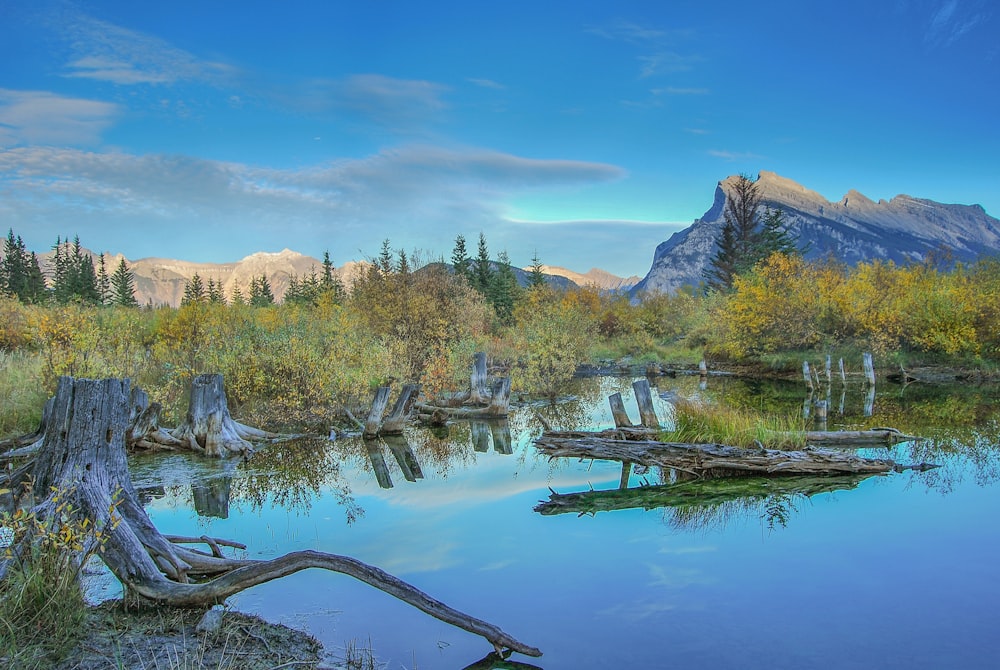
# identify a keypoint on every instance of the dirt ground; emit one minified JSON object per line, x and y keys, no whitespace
{"x":153,"y":638}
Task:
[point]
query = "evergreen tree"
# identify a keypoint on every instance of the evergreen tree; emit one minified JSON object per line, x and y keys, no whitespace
{"x":536,"y":277}
{"x":194,"y":291}
{"x":384,"y":261}
{"x":746,"y":238}
{"x":330,"y":282}
{"x":36,"y":290}
{"x":83,"y":277}
{"x":460,"y":260}
{"x":402,"y":263}
{"x":214,"y":292}
{"x":504,"y":288}
{"x":482,"y":271}
{"x":14,"y":268}
{"x":103,"y":282}
{"x":237,"y":298}
{"x":122,"y":286}
{"x":260,"y":292}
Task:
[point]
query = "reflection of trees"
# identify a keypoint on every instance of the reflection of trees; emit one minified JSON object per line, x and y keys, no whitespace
{"x":211,"y":496}
{"x":704,"y":504}
{"x":291,"y":474}
{"x":959,"y":452}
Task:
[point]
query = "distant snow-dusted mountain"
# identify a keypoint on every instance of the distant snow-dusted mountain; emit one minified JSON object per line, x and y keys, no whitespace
{"x":594,"y":277}
{"x":851,"y":230}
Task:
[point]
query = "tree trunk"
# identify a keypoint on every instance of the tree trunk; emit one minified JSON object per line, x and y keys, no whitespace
{"x":644,"y":399}
{"x":83,"y":460}
{"x":374,"y":421}
{"x":144,"y":430}
{"x":208,"y":427}
{"x":393,"y":424}
{"x":478,"y":395}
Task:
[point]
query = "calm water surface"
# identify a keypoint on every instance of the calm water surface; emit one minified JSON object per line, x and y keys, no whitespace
{"x":900,"y":571}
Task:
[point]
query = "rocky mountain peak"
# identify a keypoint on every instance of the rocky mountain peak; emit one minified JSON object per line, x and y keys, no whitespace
{"x":904,"y":229}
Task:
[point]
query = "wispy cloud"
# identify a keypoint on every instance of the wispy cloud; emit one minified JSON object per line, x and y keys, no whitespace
{"x":733,"y":155}
{"x":950,"y":21}
{"x":656,"y":47}
{"x":108,"y":52}
{"x":673,"y":90}
{"x":39,"y":117}
{"x":486,"y":83}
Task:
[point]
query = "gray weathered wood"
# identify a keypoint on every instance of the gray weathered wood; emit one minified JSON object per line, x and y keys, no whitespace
{"x":618,"y":411}
{"x":644,"y":399}
{"x":379,"y":404}
{"x":400,"y":413}
{"x":479,"y":393}
{"x":208,"y":426}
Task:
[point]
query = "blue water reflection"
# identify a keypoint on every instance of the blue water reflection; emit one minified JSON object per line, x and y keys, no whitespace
{"x":900,"y":572}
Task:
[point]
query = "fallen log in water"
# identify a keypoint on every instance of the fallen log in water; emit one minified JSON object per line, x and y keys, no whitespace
{"x":858,"y":438}
{"x":699,"y":493}
{"x":715,"y":460}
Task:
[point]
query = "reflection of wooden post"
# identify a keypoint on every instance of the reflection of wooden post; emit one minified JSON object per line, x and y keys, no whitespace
{"x":500,"y":400}
{"x":500,"y":430}
{"x":870,"y":401}
{"x":405,"y":457}
{"x":480,"y":436}
{"x":829,"y":374}
{"x":807,"y":405}
{"x":821,"y":412}
{"x":378,"y":464}
{"x":393,"y":424}
{"x":807,"y":376}
{"x":478,"y":393}
{"x":379,"y":403}
{"x":843,"y":398}
{"x":869,"y":369}
{"x":211,"y":496}
{"x":626,"y":473}
{"x":644,"y":398}
{"x":618,"y":411}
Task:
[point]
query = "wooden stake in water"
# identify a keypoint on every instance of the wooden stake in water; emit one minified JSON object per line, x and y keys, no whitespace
{"x":807,"y":375}
{"x":644,"y":398}
{"x":869,"y":369}
{"x":618,"y":411}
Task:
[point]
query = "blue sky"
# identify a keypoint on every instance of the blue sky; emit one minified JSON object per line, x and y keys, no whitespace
{"x":587,"y":132}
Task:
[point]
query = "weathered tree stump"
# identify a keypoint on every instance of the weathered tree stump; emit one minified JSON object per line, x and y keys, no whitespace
{"x":478,"y":394}
{"x":644,"y":399}
{"x":379,"y":404}
{"x":83,"y":460}
{"x":208,"y":426}
{"x":618,"y":411}
{"x":144,"y":431}
{"x":400,"y":413}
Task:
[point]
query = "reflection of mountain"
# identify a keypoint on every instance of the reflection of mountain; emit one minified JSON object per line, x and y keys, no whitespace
{"x":704,"y":503}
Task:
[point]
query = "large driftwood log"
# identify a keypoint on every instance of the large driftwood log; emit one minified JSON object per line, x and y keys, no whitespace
{"x":714,"y":460}
{"x":83,"y":459}
{"x":208,"y":426}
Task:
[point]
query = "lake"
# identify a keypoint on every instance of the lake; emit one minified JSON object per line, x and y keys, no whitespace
{"x":896,"y":571}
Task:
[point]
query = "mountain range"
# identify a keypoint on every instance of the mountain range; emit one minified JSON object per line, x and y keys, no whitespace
{"x":854,"y":229}
{"x":161,"y":281}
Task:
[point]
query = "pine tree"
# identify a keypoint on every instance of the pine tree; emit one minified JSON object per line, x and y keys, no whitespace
{"x":260,"y":292}
{"x":746,"y":238}
{"x":36,"y":290}
{"x":82,"y":277}
{"x":194,"y":291}
{"x":504,"y":288}
{"x":237,"y":298}
{"x":103,"y":282}
{"x":536,"y":277}
{"x":13,"y":269}
{"x":122,"y":286}
{"x":482,"y":271}
{"x":214,"y":292}
{"x":330,"y":282}
{"x":460,"y":260}
{"x":402,"y":263}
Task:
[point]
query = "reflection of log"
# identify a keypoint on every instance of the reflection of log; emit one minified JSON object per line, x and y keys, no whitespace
{"x":858,"y":438}
{"x":711,"y":460}
{"x":701,"y":493}
{"x":82,"y":462}
{"x":378,"y":463}
{"x":405,"y":457}
{"x":393,"y":424}
{"x":208,"y":426}
{"x":211,"y":497}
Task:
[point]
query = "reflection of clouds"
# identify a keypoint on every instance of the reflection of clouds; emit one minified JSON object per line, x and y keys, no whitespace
{"x":636,"y":611}
{"x":679,"y":551}
{"x":432,"y":557}
{"x":498,"y":565}
{"x":675,"y":578}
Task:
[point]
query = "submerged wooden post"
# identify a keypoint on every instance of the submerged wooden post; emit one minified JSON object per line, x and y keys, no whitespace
{"x":377,"y":459}
{"x":379,"y":403}
{"x":393,"y":424}
{"x":869,"y":369}
{"x":500,"y":431}
{"x":644,"y":398}
{"x":480,"y":436}
{"x":807,"y":375}
{"x":479,"y":394}
{"x":618,"y":411}
{"x":405,"y":457}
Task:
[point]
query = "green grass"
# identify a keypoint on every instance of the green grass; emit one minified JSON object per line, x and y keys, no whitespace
{"x":22,"y":391}
{"x":713,"y":424}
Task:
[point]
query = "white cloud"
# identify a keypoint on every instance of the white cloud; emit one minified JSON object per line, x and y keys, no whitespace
{"x":733,"y":156}
{"x":39,"y":117}
{"x":108,"y":52}
{"x":486,"y":83}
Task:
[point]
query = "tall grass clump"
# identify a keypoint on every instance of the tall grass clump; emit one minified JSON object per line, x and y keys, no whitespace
{"x":714,"y":424}
{"x":21,"y":388}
